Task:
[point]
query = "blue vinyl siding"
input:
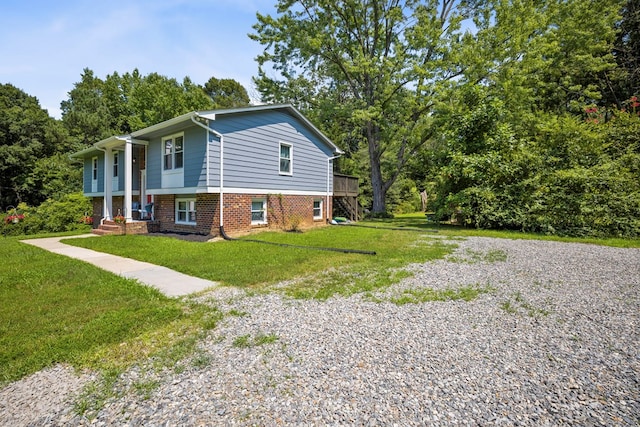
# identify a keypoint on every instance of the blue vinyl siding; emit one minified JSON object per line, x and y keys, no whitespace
{"x":154,"y":164}
{"x":194,"y":166}
{"x":252,"y":153}
{"x":86,"y":175}
{"x":195,"y":162}
{"x":88,"y":171}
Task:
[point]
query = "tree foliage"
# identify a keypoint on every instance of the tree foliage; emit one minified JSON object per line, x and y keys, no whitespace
{"x":226,"y":93}
{"x":372,"y":72}
{"x":624,"y":81}
{"x":120,"y":104}
{"x":29,"y":141}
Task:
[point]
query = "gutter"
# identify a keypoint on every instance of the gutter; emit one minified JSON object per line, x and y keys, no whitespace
{"x":221,"y":137}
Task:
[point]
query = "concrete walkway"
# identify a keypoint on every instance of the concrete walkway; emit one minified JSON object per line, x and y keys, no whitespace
{"x":169,"y":282}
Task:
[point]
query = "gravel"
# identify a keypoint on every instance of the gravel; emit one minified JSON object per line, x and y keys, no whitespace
{"x":554,"y":342}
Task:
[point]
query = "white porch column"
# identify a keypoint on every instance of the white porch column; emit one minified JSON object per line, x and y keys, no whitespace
{"x":108,"y":181}
{"x":128,"y":179}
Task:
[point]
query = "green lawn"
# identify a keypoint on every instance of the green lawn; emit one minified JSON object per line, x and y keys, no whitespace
{"x":418,"y":220}
{"x":59,"y":310}
{"x":256,"y":265}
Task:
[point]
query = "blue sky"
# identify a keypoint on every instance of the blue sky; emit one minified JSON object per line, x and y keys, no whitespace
{"x":46,"y":44}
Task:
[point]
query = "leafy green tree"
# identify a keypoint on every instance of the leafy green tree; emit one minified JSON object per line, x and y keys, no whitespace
{"x":85,"y":114}
{"x":624,"y":81}
{"x":226,"y":93}
{"x":120,"y":104}
{"x":371,"y":72}
{"x":27,"y":136}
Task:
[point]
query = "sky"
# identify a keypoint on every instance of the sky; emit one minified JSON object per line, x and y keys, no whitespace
{"x":46,"y":44}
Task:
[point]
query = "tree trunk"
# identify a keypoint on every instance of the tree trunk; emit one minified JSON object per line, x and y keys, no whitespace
{"x":377,"y":183}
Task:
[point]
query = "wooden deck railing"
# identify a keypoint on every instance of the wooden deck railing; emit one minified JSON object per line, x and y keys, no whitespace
{"x":345,"y":185}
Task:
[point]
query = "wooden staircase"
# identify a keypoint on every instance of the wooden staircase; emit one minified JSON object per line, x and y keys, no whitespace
{"x":109,"y":227}
{"x":347,"y":207}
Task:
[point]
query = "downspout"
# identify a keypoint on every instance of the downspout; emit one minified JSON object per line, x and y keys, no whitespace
{"x":328,"y":181}
{"x":221,"y":138}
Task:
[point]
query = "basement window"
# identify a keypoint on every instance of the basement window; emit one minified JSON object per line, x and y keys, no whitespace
{"x":258,"y":211}
{"x":186,"y":211}
{"x":317,"y":209}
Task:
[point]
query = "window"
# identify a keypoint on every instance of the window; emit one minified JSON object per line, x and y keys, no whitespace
{"x":185,"y":211}
{"x":173,"y":152}
{"x":115,"y":165}
{"x":259,"y":211}
{"x":94,"y":174}
{"x":317,"y":209}
{"x":286,"y":159}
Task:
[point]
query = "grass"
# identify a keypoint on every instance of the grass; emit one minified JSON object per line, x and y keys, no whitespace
{"x":465,"y":293}
{"x":418,"y":220}
{"x":246,"y":341}
{"x":519,"y":303}
{"x":471,"y":256}
{"x":253,"y":265}
{"x":59,"y":310}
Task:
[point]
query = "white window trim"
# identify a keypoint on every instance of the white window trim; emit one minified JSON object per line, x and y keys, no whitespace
{"x":173,"y":168}
{"x":314,"y":208}
{"x":264,"y":209}
{"x":290,"y":173}
{"x":187,"y":200}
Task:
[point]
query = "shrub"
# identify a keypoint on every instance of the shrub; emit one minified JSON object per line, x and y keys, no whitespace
{"x":54,"y":215}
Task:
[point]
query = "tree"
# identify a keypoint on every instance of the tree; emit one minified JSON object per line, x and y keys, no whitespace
{"x":120,"y":104}
{"x":85,"y":114}
{"x":376,"y":69}
{"x":624,"y":81}
{"x":226,"y":93}
{"x":27,"y":136}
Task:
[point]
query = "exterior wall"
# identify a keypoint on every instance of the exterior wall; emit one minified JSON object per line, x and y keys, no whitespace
{"x":207,"y":214}
{"x":252,"y":153}
{"x":283,"y":213}
{"x":88,"y":171}
{"x":137,"y":152}
{"x":98,"y":204}
{"x":195,"y":167}
{"x":118,"y":206}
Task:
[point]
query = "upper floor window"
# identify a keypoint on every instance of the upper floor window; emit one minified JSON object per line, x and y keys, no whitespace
{"x":115,"y":165}
{"x":94,"y":173}
{"x":286,"y":159}
{"x":173,"y":154}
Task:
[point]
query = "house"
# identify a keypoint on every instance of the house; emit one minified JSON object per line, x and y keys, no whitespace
{"x":208,"y":172}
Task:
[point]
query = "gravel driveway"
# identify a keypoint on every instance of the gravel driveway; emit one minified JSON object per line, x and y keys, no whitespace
{"x":555,"y":342}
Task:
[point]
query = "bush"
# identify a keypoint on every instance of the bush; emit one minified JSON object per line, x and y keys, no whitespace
{"x":63,"y":214}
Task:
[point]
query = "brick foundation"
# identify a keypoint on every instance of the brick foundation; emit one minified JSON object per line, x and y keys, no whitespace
{"x":284,"y":212}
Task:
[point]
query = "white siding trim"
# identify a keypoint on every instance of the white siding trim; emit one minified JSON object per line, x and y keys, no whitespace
{"x":227,"y":190}
{"x":274,"y":191}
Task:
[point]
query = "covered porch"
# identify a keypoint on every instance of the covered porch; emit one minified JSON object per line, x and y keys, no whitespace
{"x":124,"y":179}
